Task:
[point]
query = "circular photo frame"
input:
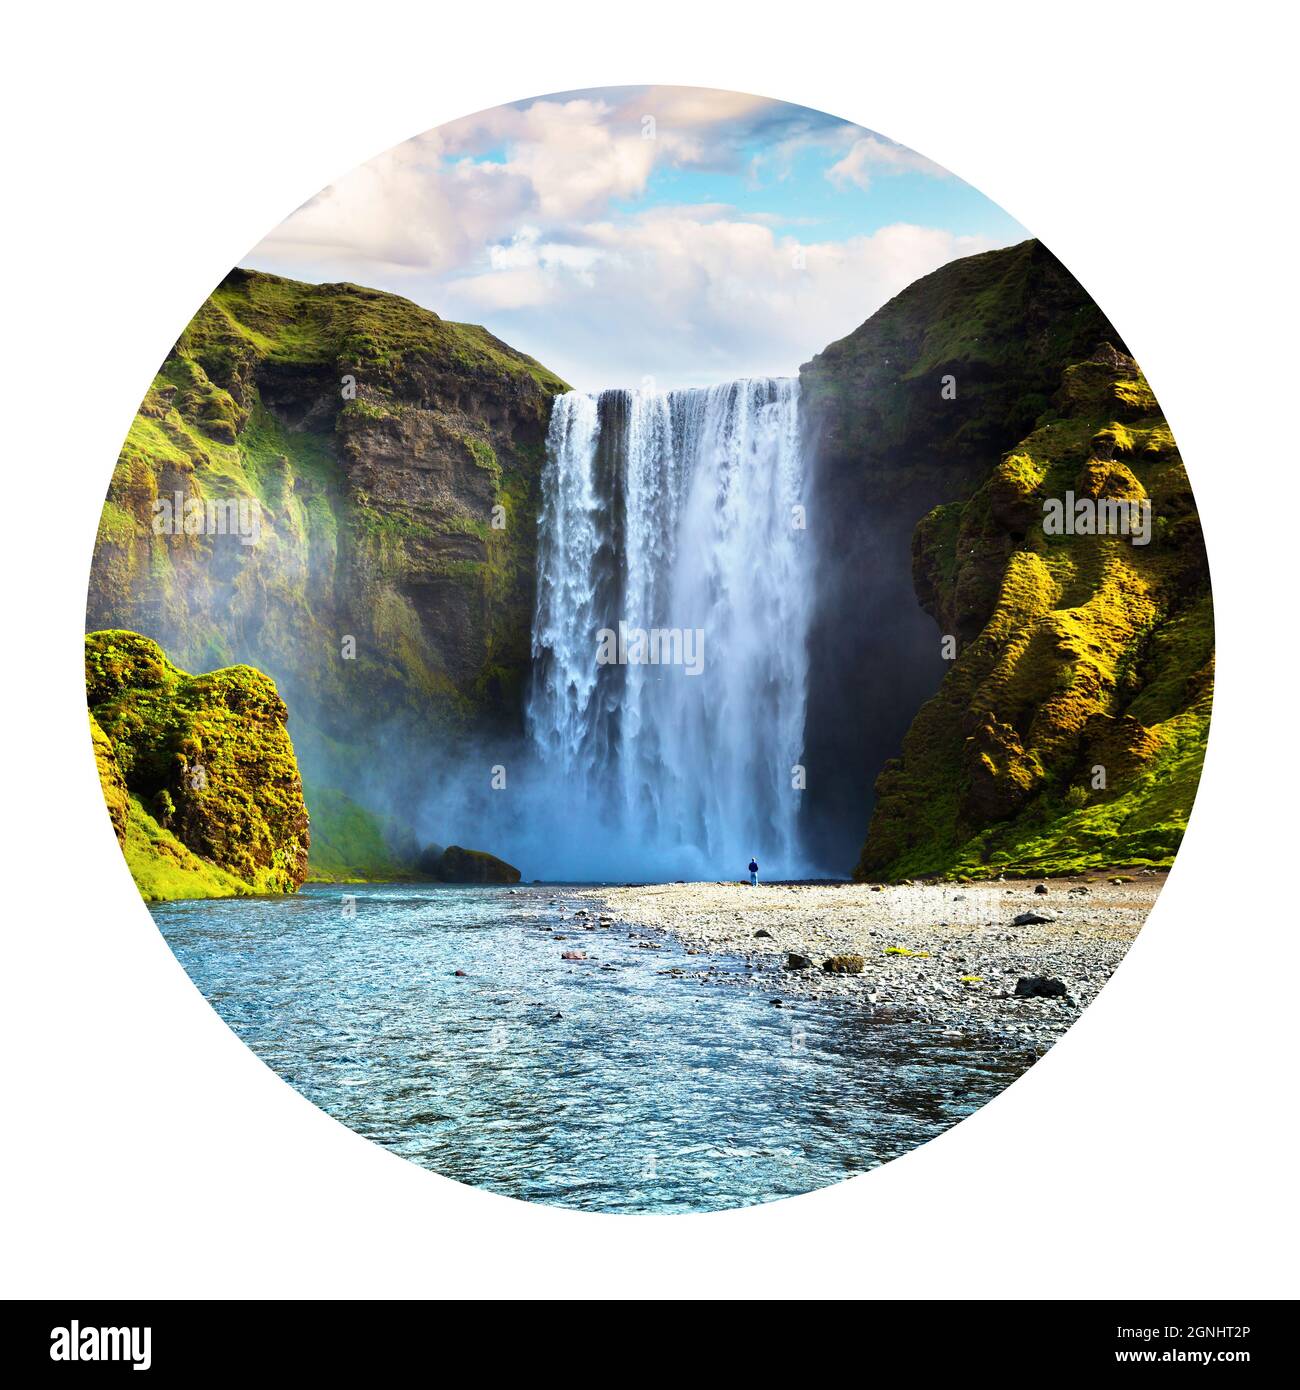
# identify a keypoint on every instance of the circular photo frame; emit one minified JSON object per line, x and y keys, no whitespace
{"x":649,"y":649}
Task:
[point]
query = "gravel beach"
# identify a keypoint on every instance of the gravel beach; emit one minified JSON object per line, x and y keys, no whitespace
{"x":952,"y":955}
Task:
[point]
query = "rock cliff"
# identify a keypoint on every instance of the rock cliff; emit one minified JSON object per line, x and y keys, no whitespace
{"x":198,"y":773}
{"x":1070,"y":729}
{"x":912,"y":410}
{"x":339,"y":488}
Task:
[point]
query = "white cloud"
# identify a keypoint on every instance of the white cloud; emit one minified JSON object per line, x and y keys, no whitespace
{"x":433,"y":202}
{"x":526,"y":250}
{"x":869,"y":152}
{"x":688,"y":301}
{"x":406,"y":210}
{"x":517,"y":216}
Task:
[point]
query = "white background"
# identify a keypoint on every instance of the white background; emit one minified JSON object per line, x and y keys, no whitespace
{"x":147,"y":1152}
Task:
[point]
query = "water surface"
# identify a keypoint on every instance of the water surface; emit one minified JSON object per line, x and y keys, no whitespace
{"x":606,"y":1084}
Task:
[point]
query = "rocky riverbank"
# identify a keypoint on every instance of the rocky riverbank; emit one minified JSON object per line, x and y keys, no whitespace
{"x":1016,"y":960}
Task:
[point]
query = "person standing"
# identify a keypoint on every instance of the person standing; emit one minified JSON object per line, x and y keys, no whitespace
{"x":753,"y":873}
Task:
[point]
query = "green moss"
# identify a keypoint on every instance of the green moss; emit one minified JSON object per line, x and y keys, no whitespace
{"x":363,"y":409}
{"x":111,"y":780}
{"x":200,"y":401}
{"x":934,"y":549}
{"x":268,"y":448}
{"x":350,"y":844}
{"x":253,"y":315}
{"x":164,"y":869}
{"x":1071,"y":730}
{"x":211,"y":749}
{"x":1003,"y":324}
{"x":484,"y":456}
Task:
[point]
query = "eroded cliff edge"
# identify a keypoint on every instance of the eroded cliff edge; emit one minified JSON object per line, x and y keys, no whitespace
{"x":943,"y":425}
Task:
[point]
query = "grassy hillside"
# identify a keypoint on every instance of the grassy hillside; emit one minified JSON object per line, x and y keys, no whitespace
{"x":350,"y":844}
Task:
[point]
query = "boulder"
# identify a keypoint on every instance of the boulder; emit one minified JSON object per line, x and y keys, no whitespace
{"x":459,"y":865}
{"x":1040,"y":987}
{"x":794,"y":961}
{"x":1031,"y":919}
{"x":198,"y":772}
{"x":429,"y":860}
{"x":843,"y":965}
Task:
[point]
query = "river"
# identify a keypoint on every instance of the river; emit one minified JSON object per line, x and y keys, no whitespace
{"x":608,"y":1084}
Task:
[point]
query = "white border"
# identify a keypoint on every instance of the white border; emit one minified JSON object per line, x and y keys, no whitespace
{"x":147,"y":1152}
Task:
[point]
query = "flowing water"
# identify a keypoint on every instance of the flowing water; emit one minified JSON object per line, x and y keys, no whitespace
{"x":605,"y":1084}
{"x":679,"y":514}
{"x":443,"y":1022}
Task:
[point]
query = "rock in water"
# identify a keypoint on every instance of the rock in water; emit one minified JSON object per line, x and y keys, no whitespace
{"x":459,"y":865}
{"x":843,"y":965}
{"x":429,"y":860}
{"x":1039,"y":987}
{"x":573,"y":955}
{"x":794,"y":961}
{"x":1031,"y":919}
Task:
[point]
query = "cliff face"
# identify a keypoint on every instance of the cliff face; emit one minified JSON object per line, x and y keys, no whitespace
{"x":341,"y":489}
{"x":1070,"y":730}
{"x":197,"y":771}
{"x":911,"y":411}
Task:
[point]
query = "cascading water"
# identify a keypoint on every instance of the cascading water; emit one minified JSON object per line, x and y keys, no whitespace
{"x":672,"y":528}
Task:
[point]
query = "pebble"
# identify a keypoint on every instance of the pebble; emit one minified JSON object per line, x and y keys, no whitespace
{"x":1078,"y":947}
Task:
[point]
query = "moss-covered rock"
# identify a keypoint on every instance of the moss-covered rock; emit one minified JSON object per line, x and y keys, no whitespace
{"x":459,"y":865}
{"x":164,"y":869}
{"x":113,"y":785}
{"x":1070,"y":730}
{"x":906,"y":415}
{"x":1002,"y":325}
{"x":211,"y":756}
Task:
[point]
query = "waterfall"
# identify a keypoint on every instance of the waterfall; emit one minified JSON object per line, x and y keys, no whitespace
{"x":670,"y":636}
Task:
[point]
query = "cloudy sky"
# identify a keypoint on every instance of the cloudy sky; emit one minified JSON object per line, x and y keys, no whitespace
{"x":672,"y":233}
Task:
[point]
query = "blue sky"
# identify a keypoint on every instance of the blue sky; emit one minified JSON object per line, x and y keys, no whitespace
{"x":622,"y":235}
